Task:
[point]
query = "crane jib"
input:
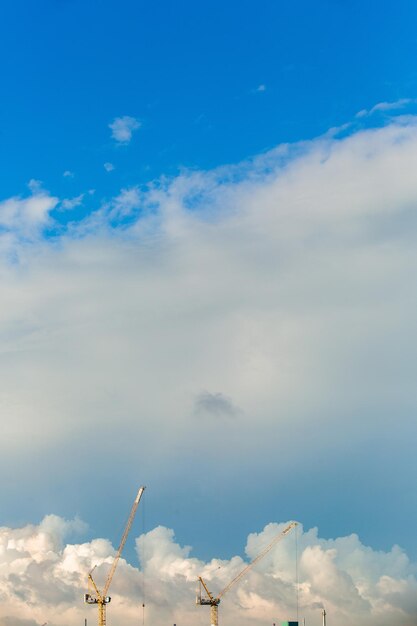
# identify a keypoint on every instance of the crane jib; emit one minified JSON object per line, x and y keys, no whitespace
{"x":214,"y":602}
{"x":101,"y":598}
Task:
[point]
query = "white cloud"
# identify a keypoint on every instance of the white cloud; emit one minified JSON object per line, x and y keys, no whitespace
{"x":71,"y":203}
{"x":35,"y":186}
{"x":123,"y":127}
{"x":25,"y":218}
{"x":386,"y":106}
{"x":126,"y":202}
{"x":68,"y":174}
{"x":261,"y":88}
{"x":109,"y":167}
{"x":43,"y":577}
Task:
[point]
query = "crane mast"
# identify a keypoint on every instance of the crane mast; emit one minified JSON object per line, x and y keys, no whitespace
{"x":94,"y":596}
{"x":214,"y":602}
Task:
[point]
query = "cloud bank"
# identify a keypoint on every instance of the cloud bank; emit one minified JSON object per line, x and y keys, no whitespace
{"x":43,"y":578}
{"x":278,"y":294}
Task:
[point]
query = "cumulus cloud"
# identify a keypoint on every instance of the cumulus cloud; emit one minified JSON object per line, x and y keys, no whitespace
{"x":43,"y":578}
{"x":68,"y":174}
{"x":122,"y":128}
{"x":109,"y":167}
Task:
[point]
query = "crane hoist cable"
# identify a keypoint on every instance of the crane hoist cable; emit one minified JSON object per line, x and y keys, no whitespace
{"x":143,"y":560}
{"x":214,"y":602}
{"x":94,"y":595}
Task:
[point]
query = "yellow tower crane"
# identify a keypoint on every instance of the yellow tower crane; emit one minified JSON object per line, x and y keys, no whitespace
{"x":101,"y":598}
{"x":213,"y":602}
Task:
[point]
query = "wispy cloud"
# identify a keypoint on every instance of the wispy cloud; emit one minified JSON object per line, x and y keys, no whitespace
{"x":109,"y":167}
{"x":71,"y":203}
{"x":68,"y":174}
{"x":125,"y":203}
{"x":123,"y":128}
{"x":385,"y":106}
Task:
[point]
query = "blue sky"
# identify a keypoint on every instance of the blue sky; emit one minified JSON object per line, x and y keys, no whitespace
{"x":191,"y":72}
{"x":207,"y":260}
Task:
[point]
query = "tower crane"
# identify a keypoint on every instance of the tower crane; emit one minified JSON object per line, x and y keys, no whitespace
{"x":214,"y":602}
{"x":94,"y":595}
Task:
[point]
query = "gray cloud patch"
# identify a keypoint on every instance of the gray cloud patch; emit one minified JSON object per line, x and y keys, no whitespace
{"x":15,"y":621}
{"x":216,"y":404}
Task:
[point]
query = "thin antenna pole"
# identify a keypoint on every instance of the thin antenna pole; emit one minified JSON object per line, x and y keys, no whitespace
{"x":143,"y":561}
{"x":296,"y":570}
